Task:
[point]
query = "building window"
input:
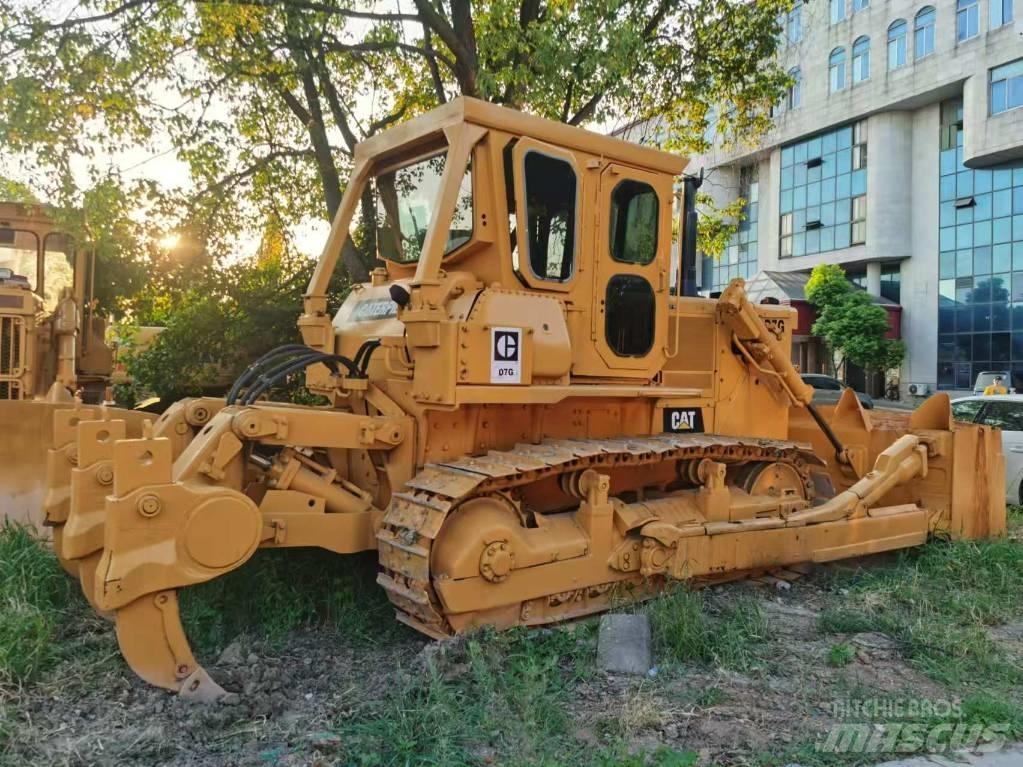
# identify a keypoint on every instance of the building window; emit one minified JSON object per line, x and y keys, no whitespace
{"x":923,"y":33}
{"x":740,"y":257}
{"x":793,"y":95}
{"x":859,"y":5}
{"x":837,"y":11}
{"x":897,"y":44}
{"x":818,"y":183}
{"x":980,"y":263}
{"x":794,"y":24}
{"x":859,"y":146}
{"x":858,"y":228}
{"x":861,"y":60}
{"x":891,"y":282}
{"x":1007,"y":87}
{"x":1001,"y":13}
{"x":836,"y":70}
{"x":967,"y":19}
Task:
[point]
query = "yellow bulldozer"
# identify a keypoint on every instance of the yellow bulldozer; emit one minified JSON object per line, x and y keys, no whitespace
{"x":52,"y":347}
{"x":527,"y":417}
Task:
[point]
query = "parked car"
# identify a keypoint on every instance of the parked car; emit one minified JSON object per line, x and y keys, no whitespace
{"x":1004,"y":411}
{"x":987,"y":377}
{"x":827,"y":390}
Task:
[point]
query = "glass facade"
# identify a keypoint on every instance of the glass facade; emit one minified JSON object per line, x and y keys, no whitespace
{"x":891,"y":281}
{"x":740,"y":257}
{"x":823,"y":192}
{"x":980,"y":268}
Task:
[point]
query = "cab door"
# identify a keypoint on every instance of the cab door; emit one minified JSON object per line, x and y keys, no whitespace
{"x":633,"y":245}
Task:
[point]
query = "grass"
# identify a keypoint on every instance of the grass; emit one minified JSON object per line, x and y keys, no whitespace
{"x":691,"y":626}
{"x":841,"y":654}
{"x":499,"y":698}
{"x":35,"y":601}
{"x":491,"y":694}
{"x":938,"y":602}
{"x":279,"y":591}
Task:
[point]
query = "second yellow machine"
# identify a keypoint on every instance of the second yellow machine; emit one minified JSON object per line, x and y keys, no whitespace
{"x":526,"y":419}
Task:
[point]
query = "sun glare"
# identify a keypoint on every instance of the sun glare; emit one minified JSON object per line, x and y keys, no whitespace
{"x":170,"y":241}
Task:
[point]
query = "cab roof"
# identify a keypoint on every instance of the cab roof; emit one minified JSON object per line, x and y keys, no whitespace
{"x":429,"y":127}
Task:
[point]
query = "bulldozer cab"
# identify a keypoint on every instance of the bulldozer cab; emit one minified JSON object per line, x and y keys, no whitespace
{"x":46,"y":289}
{"x":32,"y":247}
{"x":474,"y":196}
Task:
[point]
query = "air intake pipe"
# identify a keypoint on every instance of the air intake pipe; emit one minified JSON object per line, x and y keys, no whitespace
{"x":690,"y":185}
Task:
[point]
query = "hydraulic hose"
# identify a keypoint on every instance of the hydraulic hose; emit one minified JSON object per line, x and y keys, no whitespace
{"x":364,"y":354}
{"x":293,"y":366}
{"x":250,"y":372}
{"x":272,"y":375}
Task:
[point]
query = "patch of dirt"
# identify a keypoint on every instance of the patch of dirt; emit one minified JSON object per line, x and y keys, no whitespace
{"x":792,"y":697}
{"x":284,"y":706}
{"x":91,"y":710}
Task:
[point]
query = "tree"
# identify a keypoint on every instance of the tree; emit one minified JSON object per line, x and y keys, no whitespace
{"x":217,"y":323}
{"x":851,"y":324}
{"x":264,"y":100}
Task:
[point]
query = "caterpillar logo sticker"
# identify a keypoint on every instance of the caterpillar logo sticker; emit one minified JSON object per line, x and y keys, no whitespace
{"x":506,"y":356}
{"x":683,"y":420}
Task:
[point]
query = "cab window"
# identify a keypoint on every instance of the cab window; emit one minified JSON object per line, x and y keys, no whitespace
{"x":967,"y":411}
{"x":406,"y":198}
{"x":58,"y":268}
{"x":1007,"y":416}
{"x":629,"y":315}
{"x":551,"y":212}
{"x":634,"y":214}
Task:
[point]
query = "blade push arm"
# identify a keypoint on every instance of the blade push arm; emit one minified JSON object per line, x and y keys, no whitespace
{"x":761,"y":349}
{"x":759,"y":345}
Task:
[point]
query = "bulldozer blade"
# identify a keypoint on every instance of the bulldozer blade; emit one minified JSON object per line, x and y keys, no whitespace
{"x":154,"y":645}
{"x":27,"y":429}
{"x":36,"y":457}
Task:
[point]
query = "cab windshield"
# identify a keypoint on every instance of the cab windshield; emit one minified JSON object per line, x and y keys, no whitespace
{"x":19,"y":252}
{"x":406,"y":199}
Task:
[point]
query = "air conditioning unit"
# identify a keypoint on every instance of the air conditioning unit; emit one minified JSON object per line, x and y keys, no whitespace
{"x":919,"y":389}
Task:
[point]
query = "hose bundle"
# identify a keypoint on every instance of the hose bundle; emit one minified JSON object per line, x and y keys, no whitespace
{"x":277,"y":364}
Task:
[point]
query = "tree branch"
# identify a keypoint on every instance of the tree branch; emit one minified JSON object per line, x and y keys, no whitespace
{"x":464,"y":66}
{"x":431,"y":62}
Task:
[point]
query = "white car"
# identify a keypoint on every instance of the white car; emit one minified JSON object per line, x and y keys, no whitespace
{"x":1004,"y":411}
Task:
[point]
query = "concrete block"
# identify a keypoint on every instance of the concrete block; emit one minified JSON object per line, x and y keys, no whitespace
{"x":623,"y":645}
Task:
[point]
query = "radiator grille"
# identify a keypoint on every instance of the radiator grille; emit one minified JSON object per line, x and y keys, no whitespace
{"x":12,"y":345}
